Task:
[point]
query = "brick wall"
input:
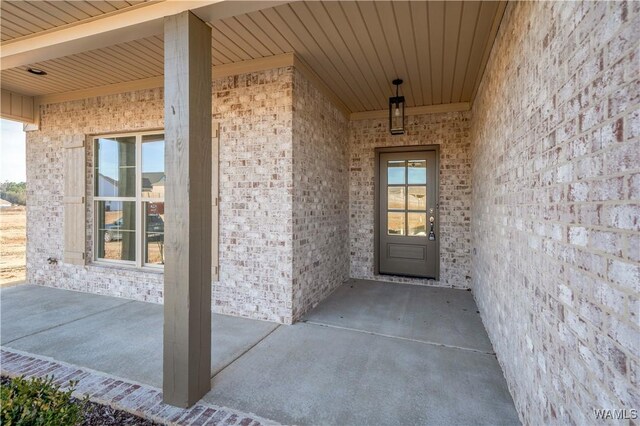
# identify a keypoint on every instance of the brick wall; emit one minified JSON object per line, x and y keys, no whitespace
{"x":255,"y":114}
{"x":256,"y":184}
{"x":321,"y":196}
{"x":451,"y":132}
{"x":45,"y":175}
{"x":556,"y":188}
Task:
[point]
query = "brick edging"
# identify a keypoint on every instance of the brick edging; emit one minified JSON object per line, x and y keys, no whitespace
{"x":126,"y":395}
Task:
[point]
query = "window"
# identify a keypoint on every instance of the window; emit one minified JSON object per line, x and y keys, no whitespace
{"x":407,"y":197}
{"x":129,"y":199}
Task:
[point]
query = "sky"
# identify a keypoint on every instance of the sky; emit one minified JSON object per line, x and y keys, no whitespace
{"x":152,"y":157}
{"x":12,"y":152}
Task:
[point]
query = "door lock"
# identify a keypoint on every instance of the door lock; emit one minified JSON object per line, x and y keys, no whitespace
{"x":432,"y":235}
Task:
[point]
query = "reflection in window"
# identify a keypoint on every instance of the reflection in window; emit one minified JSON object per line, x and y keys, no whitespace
{"x":395,"y":223}
{"x":154,"y":233}
{"x":417,"y":198}
{"x":395,"y":197}
{"x":417,"y":224}
{"x":116,"y":236}
{"x":153,"y":177}
{"x":395,"y":172}
{"x":417,"y":172}
{"x":407,"y":197}
{"x":115,"y":167}
{"x":129,"y":198}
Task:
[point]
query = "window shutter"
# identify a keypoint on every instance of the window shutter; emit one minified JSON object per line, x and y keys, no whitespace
{"x":215,"y":174}
{"x":74,"y":200}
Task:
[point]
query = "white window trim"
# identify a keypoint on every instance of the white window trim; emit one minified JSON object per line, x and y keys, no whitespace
{"x":138,"y":199}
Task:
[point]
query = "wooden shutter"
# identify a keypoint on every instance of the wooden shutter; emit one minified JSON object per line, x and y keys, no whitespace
{"x":74,"y":200}
{"x":215,"y":174}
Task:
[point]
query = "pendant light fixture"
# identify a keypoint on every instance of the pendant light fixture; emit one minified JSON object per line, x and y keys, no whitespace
{"x":396,"y":111}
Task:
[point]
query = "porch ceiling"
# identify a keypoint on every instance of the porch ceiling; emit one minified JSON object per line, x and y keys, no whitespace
{"x":355,"y":48}
{"x":23,"y":18}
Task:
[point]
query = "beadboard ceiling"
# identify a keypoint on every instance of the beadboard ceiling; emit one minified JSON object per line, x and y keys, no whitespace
{"x":23,"y":18}
{"x":355,"y":48}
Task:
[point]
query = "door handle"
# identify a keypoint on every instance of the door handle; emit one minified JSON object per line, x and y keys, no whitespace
{"x":432,"y":235}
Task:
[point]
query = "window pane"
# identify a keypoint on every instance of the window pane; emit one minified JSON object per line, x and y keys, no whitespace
{"x":154,"y":233}
{"x":417,"y":224}
{"x":395,"y":223}
{"x":115,"y":167}
{"x":116,"y":230}
{"x":395,"y":172}
{"x":417,"y":198}
{"x":417,"y":171}
{"x":395,"y":197}
{"x":153,"y":177}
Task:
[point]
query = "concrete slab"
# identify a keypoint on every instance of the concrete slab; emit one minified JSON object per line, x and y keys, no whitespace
{"x":427,"y":314}
{"x":233,"y":336}
{"x":309,"y":374}
{"x":28,"y":309}
{"x":124,"y":340}
{"x":339,"y":371}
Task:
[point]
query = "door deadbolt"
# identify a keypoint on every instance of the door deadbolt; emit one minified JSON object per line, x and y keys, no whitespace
{"x":432,"y":235}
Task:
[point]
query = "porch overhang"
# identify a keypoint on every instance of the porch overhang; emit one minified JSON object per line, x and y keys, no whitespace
{"x":133,"y":23}
{"x":345,"y":48}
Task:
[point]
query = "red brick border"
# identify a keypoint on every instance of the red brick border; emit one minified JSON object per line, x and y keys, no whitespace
{"x":136,"y":398}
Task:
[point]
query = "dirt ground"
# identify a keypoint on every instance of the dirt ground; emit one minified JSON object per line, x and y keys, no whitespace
{"x":13,"y":239}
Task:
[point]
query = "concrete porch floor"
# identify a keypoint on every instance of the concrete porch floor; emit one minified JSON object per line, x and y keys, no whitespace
{"x":372,"y":353}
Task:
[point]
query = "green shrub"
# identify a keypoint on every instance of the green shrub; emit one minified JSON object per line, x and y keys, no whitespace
{"x":18,"y":198}
{"x":38,"y":402}
{"x":14,"y":192}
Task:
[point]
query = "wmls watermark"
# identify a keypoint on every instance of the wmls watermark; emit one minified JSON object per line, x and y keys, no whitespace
{"x":621,"y":414}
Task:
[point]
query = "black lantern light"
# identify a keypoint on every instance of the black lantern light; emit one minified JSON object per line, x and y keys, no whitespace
{"x":396,"y":111}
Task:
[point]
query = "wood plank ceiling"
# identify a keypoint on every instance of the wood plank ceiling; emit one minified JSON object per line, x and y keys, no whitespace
{"x":355,"y":48}
{"x":23,"y":18}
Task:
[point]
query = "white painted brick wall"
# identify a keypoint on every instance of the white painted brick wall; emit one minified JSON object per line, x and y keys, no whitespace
{"x":555,"y":216}
{"x":321,"y":196}
{"x":45,"y":190}
{"x":256,"y":184}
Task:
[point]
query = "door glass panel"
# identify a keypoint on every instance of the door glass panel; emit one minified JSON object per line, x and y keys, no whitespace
{"x":395,"y":172}
{"x":417,"y":198}
{"x":395,"y":223}
{"x":395,"y":198}
{"x":417,"y":224}
{"x":153,"y":166}
{"x":417,"y":171}
{"x":154,"y":233}
{"x":116,"y":230}
{"x":115,"y":169}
